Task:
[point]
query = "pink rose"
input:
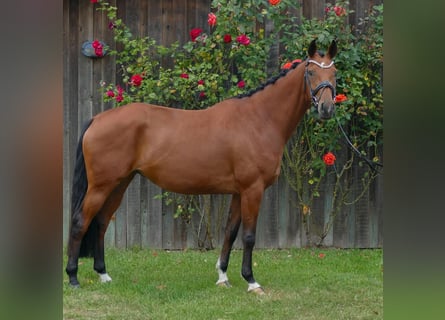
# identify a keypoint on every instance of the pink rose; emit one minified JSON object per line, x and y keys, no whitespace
{"x":211,"y":19}
{"x":241,"y":84}
{"x":243,"y":39}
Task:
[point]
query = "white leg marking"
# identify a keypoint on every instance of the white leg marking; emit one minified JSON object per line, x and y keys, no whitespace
{"x":104,"y":277}
{"x":253,"y":286}
{"x":222,"y":276}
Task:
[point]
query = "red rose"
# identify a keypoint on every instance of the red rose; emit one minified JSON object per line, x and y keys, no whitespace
{"x":227,"y":38}
{"x":243,"y":39}
{"x":194,"y":33}
{"x":274,"y":2}
{"x":201,"y":82}
{"x":241,"y":84}
{"x":110,"y":93}
{"x":202,"y":95}
{"x":339,"y":11}
{"x":136,"y":80}
{"x":93,"y":1}
{"x":329,"y":158}
{"x":287,"y":65}
{"x":211,"y":19}
{"x":340,"y":98}
{"x":184,"y":75}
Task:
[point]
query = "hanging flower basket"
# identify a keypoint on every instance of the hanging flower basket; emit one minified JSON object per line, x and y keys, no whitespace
{"x":94,"y":49}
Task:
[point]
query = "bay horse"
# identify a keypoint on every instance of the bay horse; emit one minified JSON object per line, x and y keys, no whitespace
{"x":233,"y":147}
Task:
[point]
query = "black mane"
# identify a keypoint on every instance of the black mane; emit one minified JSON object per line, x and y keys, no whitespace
{"x":272,"y":80}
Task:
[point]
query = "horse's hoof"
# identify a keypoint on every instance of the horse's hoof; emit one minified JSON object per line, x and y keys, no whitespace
{"x":258,"y":291}
{"x":104,"y":277}
{"x":75,"y":285}
{"x":224,"y":284}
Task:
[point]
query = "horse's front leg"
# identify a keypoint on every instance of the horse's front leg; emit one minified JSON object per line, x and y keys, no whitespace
{"x":231,"y":231}
{"x":99,"y":253}
{"x":250,"y":205}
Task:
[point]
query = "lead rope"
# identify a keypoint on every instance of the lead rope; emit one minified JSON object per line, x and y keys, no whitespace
{"x":373,"y":165}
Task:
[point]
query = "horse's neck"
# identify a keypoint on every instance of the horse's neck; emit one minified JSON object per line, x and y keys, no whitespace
{"x":283,"y":104}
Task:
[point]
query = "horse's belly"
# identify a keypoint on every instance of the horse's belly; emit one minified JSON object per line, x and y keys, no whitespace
{"x":191,"y":180}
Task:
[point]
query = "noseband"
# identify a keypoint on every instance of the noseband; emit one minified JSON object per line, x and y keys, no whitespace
{"x":324,"y":84}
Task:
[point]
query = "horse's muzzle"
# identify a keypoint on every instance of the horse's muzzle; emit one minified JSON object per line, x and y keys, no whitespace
{"x":326,"y":110}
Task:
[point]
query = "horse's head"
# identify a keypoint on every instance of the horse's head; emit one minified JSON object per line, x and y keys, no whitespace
{"x":320,"y":77}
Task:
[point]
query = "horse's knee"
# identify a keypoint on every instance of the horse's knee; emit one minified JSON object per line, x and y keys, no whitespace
{"x":249,"y":239}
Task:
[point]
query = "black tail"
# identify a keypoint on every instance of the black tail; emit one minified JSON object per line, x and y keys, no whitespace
{"x":79,"y":189}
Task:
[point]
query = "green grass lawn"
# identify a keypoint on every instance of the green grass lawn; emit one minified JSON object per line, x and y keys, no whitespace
{"x":299,"y":284}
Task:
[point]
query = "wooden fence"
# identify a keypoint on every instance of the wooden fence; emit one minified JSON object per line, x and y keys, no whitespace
{"x":143,"y":220}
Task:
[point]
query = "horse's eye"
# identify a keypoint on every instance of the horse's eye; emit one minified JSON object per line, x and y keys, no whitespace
{"x":311,"y":72}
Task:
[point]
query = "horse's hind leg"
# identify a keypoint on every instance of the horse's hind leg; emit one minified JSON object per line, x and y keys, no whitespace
{"x":103,"y":219}
{"x":232,"y":227}
{"x":79,"y":225}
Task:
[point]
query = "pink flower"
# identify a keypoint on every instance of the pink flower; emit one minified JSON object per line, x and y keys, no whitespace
{"x":243,"y":39}
{"x":98,"y":48}
{"x":201,"y":82}
{"x":111,"y":25}
{"x":194,"y":33}
{"x":212,"y":19}
{"x":184,"y":75}
{"x":136,"y":80}
{"x":93,"y":1}
{"x":241,"y":84}
{"x":120,"y":94}
{"x":110,"y":94}
{"x":227,"y":38}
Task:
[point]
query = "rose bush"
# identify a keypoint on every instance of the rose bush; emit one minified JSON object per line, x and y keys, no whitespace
{"x":359,"y":101}
{"x":228,"y":57}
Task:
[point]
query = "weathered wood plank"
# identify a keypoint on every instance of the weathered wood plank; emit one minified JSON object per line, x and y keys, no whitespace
{"x":144,"y":221}
{"x":134,"y":213}
{"x":153,"y":227}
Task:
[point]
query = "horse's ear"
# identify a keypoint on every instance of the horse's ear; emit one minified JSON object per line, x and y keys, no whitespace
{"x":312,"y":48}
{"x":332,"y":51}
